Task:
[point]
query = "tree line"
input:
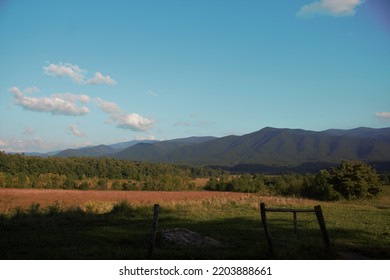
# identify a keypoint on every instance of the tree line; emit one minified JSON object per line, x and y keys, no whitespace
{"x":350,"y":180}
{"x":21,"y":171}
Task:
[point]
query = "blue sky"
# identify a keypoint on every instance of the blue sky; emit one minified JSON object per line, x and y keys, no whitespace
{"x":76,"y":73}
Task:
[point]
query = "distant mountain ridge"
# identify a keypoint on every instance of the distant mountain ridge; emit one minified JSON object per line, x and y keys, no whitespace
{"x":268,"y":147}
{"x":272,"y":147}
{"x":112,"y":149}
{"x":95,"y":151}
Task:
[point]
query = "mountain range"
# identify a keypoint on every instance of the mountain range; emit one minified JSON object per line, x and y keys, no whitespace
{"x":278,"y":149}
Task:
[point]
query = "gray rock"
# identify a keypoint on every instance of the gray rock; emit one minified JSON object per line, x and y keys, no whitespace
{"x":185,"y":237}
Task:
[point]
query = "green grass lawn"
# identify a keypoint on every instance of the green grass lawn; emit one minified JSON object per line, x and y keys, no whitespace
{"x":122,"y":231}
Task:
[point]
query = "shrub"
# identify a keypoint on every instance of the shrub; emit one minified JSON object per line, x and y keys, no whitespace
{"x":54,"y":208}
{"x":102,"y":184}
{"x":34,"y":209}
{"x":84,"y":186}
{"x":116,"y":185}
{"x":123,"y":208}
{"x":128,"y":186}
{"x":97,"y":207}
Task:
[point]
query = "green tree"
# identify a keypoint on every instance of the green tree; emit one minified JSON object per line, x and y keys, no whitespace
{"x":319,"y":187}
{"x":84,"y":186}
{"x":355,"y":179}
{"x":69,"y":184}
{"x":102,"y":184}
{"x":116,"y":185}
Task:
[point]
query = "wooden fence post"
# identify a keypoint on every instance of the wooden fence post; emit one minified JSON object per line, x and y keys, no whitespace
{"x":321,"y":222}
{"x":265,"y":226}
{"x":156,"y":210}
{"x":317,"y":210}
{"x":295,"y":222}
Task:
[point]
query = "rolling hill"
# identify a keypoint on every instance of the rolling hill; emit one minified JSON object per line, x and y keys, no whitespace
{"x":269,"y":148}
{"x":159,"y":151}
{"x":100,"y":150}
{"x":95,"y":151}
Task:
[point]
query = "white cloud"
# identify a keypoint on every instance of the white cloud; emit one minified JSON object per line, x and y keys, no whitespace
{"x":57,"y":104}
{"x":133,"y":121}
{"x":100,"y":79}
{"x":77,"y":74}
{"x":330,"y":7}
{"x":108,"y":107}
{"x":83,"y":98}
{"x":74,"y":131}
{"x":67,"y":69}
{"x":142,"y":138}
{"x":383,"y":115}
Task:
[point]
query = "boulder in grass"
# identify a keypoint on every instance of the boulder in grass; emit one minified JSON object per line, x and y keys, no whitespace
{"x":185,"y":237}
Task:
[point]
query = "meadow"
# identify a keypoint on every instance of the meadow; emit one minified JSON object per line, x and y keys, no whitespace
{"x":117,"y":225}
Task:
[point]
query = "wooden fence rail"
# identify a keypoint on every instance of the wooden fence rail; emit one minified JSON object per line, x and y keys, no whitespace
{"x":317,"y":210}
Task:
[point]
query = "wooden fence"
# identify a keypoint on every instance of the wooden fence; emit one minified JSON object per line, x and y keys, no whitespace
{"x":263,"y":212}
{"x":317,"y":210}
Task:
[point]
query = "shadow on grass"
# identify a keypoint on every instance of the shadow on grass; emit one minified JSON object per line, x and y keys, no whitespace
{"x":124,"y":233}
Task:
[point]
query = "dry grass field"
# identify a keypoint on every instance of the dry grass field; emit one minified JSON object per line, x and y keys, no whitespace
{"x":23,"y":198}
{"x":116,"y":225}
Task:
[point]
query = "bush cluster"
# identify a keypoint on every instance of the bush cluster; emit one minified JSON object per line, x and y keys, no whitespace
{"x":351,"y":180}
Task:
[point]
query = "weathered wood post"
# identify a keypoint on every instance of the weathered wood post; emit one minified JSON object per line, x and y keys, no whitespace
{"x":265,"y":226}
{"x":295,"y":222}
{"x":156,"y":210}
{"x":321,"y":222}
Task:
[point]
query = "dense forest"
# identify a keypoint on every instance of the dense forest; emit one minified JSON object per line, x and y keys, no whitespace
{"x":350,"y":180}
{"x":20,"y":171}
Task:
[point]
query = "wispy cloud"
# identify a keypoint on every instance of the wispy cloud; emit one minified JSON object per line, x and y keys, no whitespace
{"x":77,"y":74}
{"x":31,"y":90}
{"x":67,"y":69}
{"x":28,"y":131}
{"x":107,"y":106}
{"x":152,"y":93}
{"x":18,"y":145}
{"x":57,"y":104}
{"x":37,"y":144}
{"x":3,"y":143}
{"x":383,"y":115}
{"x":75,"y":131}
{"x":100,"y":79}
{"x":132,"y":121}
{"x":195,"y":122}
{"x":186,"y":124}
{"x":330,"y":7}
